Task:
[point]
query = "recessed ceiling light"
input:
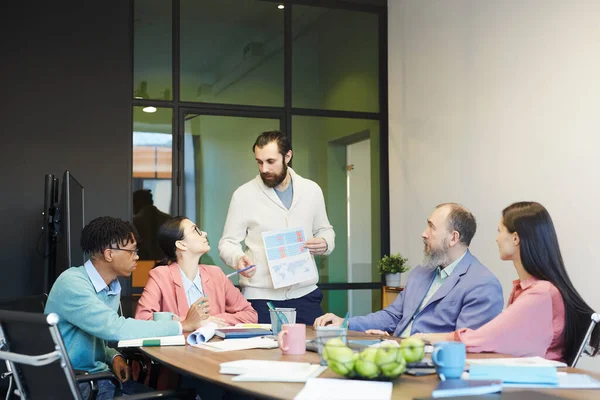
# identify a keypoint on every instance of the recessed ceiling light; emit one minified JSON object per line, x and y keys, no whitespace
{"x":149,"y":109}
{"x":281,"y":6}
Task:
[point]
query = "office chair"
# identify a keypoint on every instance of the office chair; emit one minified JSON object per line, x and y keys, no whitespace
{"x":34,"y":303}
{"x":33,"y":347}
{"x":595,"y":319}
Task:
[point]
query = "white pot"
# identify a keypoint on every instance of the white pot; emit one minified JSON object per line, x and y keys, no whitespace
{"x":393,"y":279}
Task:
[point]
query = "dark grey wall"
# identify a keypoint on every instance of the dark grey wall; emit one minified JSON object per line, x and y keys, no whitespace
{"x":66,"y":104}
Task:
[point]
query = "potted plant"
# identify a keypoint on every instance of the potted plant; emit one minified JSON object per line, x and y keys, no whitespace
{"x":392,"y":266}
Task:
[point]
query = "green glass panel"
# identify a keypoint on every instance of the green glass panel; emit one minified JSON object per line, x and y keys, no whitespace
{"x":232,"y":52}
{"x":152,"y":50}
{"x":152,"y":176}
{"x":218,"y":159}
{"x":335,"y":59}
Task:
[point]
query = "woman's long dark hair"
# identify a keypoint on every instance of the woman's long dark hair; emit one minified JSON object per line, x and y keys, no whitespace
{"x":541,"y":257}
{"x":168,"y":234}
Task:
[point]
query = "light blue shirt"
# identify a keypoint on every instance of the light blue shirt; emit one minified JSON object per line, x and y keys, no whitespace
{"x":112,"y":290}
{"x":193,"y":289}
{"x":440,"y":277}
{"x":88,"y":311}
{"x":287,"y":195}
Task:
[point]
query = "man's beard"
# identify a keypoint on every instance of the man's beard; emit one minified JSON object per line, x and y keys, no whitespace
{"x":436,"y":256}
{"x":272,"y":180}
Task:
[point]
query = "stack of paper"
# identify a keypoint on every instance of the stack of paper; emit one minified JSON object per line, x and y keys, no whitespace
{"x":239,"y":344}
{"x":565,"y":381}
{"x":518,"y":362}
{"x":515,"y":374}
{"x":344,"y":389}
{"x":177,"y":340}
{"x":260,"y":326}
{"x":271,"y":371}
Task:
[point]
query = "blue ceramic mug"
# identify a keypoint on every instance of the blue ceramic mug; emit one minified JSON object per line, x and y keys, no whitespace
{"x":449,"y":359}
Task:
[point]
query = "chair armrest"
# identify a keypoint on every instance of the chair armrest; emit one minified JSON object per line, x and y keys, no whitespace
{"x":161,"y":394}
{"x":99,"y":376}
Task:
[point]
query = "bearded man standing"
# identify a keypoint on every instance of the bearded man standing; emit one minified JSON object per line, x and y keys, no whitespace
{"x":278,"y":198}
{"x":449,"y":291}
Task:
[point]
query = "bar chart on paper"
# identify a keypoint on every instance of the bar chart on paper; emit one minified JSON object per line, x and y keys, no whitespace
{"x":289,"y":262}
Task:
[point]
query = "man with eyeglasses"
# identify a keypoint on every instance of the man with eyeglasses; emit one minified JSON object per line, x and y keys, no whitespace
{"x":87,"y":300}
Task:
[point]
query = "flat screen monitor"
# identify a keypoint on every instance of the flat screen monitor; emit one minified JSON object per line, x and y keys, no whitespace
{"x":73,"y":221}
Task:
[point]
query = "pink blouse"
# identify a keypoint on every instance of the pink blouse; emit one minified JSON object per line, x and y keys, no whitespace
{"x":531,"y":324}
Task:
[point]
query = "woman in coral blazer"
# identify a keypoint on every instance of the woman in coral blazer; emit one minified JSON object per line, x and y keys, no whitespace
{"x":182,"y":283}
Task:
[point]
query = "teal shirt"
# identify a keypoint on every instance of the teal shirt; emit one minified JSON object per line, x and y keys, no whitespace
{"x":440,"y":277}
{"x":89,"y":318}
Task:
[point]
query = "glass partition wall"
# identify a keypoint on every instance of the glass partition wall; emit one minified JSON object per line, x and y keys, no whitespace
{"x":210,"y":76}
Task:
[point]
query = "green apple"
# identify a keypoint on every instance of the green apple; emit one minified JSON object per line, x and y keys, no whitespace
{"x":412,"y":349}
{"x":387,"y":355}
{"x":340,"y":368}
{"x":337,"y":342}
{"x":369,"y":354}
{"x":342,"y":355}
{"x":366,"y":369}
{"x":395,"y":369}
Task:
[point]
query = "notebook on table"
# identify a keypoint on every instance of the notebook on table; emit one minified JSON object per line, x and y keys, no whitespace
{"x":241,"y":333}
{"x":177,"y":340}
{"x":513,"y":395}
{"x":461,"y":387}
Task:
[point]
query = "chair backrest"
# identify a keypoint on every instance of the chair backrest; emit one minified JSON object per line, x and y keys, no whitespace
{"x":595,"y":319}
{"x":34,"y":303}
{"x":34,"y":349}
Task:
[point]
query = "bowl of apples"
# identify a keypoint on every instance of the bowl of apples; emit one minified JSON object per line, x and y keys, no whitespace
{"x":386,"y":361}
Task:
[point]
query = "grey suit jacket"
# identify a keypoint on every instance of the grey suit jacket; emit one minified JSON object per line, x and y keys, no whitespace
{"x":470,"y":297}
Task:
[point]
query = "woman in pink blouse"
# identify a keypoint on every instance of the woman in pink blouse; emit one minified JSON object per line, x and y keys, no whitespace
{"x":545,"y":315}
{"x":182,"y":283}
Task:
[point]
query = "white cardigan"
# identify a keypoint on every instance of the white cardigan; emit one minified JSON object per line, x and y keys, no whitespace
{"x":256,"y":208}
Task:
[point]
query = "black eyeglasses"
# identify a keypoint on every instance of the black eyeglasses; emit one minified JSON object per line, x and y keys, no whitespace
{"x":134,"y":252}
{"x":198,"y":231}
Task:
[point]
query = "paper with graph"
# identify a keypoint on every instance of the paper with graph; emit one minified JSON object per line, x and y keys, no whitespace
{"x":289,"y":262}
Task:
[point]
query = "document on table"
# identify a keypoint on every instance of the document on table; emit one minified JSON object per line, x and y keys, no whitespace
{"x":177,"y":340}
{"x":517,"y":362}
{"x":271,"y":371}
{"x":289,"y":261}
{"x":565,"y":381}
{"x":239,"y":344}
{"x":344,"y":389}
{"x":202,"y":334}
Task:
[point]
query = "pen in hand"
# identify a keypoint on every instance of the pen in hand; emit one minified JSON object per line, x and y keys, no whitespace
{"x":240,"y":270}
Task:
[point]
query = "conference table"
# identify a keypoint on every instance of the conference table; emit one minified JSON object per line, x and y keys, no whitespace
{"x":204,"y":364}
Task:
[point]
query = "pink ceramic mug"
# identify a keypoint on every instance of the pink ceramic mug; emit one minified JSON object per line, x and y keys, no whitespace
{"x":292,"y":339}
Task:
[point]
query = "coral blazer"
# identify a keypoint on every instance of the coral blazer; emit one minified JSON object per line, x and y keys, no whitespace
{"x":165,"y":292}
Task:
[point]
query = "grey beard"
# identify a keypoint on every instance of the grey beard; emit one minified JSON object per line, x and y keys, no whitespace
{"x":436,"y":258}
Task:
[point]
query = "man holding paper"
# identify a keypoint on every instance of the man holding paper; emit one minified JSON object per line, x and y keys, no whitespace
{"x":277,"y":199}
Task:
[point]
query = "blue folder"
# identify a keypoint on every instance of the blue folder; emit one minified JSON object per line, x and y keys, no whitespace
{"x":515,"y":374}
{"x":237,"y":333}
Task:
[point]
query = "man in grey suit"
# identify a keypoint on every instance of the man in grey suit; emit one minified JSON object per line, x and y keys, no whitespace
{"x":450,"y":290}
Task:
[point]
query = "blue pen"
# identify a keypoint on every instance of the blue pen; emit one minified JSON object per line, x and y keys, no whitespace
{"x":240,"y":270}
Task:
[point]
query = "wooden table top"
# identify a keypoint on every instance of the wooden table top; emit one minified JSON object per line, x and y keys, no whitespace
{"x":204,"y":365}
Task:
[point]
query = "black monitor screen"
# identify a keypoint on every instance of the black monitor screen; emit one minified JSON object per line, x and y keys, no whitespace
{"x":73,"y":220}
